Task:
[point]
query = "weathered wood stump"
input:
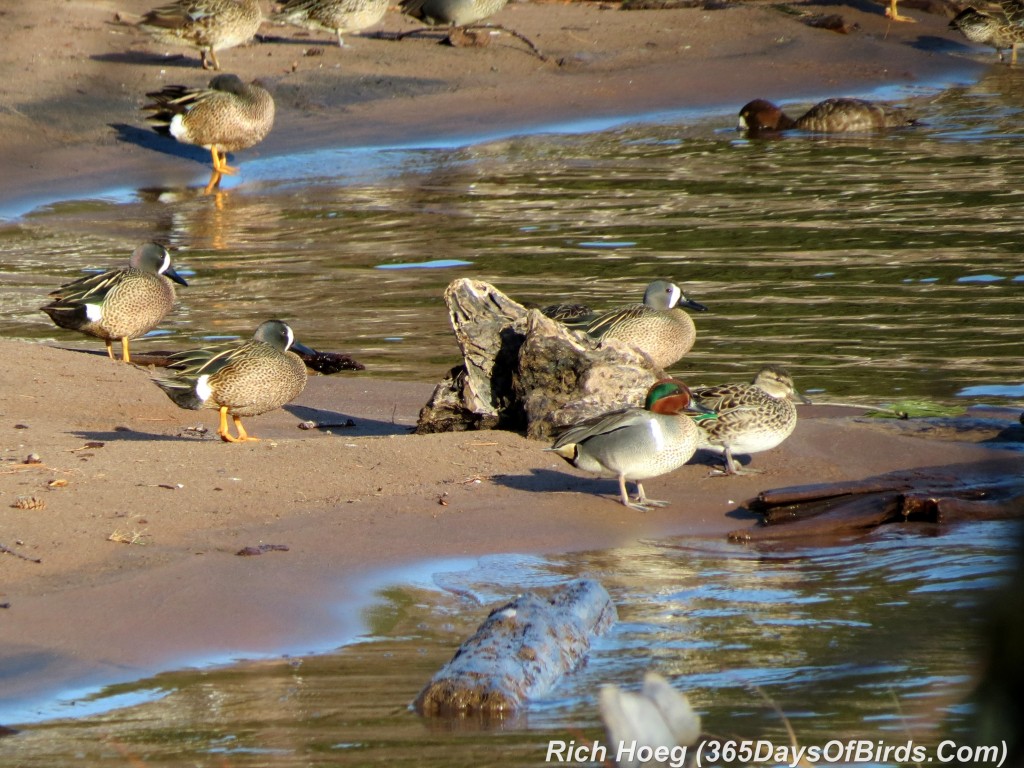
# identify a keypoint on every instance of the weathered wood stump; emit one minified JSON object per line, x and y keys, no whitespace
{"x":519,"y":652}
{"x":525,"y":372}
{"x":857,"y":506}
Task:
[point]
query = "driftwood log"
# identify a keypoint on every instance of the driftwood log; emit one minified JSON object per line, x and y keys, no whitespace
{"x":525,"y":372}
{"x":857,"y":506}
{"x":520,"y":651}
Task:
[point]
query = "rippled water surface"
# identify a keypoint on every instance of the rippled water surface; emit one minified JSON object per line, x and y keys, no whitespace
{"x":875,"y":268}
{"x":873,"y":639}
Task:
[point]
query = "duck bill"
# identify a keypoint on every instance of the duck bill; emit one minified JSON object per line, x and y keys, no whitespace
{"x":696,"y":306}
{"x":169,"y":272}
{"x":698,"y":409}
{"x":802,"y":398}
{"x":302,"y":349}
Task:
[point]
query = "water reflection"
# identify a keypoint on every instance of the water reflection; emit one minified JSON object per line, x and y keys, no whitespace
{"x":833,"y":635}
{"x":875,"y":268}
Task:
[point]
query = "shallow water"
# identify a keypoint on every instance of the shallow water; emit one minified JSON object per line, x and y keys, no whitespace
{"x":868,"y":639}
{"x":876,"y":268}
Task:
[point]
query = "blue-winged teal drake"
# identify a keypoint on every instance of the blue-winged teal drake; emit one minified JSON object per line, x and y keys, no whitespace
{"x":760,"y":117}
{"x":227,"y":116}
{"x":750,"y":417}
{"x":338,"y":16}
{"x":637,"y":443}
{"x":239,"y":378}
{"x":658,"y":327}
{"x":209,"y":25}
{"x":455,"y":13}
{"x":121,"y":303}
{"x":999,"y":32}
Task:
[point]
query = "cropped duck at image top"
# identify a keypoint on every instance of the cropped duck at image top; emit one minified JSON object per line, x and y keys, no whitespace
{"x":658,"y":327}
{"x":761,"y":117}
{"x":338,"y":16}
{"x":121,"y":303}
{"x":209,"y":25}
{"x":456,"y":13}
{"x":244,"y":378}
{"x":750,"y":418}
{"x":637,"y":443}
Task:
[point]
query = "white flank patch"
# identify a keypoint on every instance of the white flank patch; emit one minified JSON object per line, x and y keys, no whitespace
{"x":203,"y":390}
{"x":178,"y":129}
{"x":94,"y":312}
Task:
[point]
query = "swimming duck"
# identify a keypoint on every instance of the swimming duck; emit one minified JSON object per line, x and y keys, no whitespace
{"x":226,"y":116}
{"x":338,"y":16}
{"x":829,"y":116}
{"x":120,"y":303}
{"x":751,"y":417}
{"x":209,"y":25}
{"x":457,"y":13}
{"x":637,"y":443}
{"x":658,"y":327}
{"x":1000,"y":33}
{"x":239,"y":378}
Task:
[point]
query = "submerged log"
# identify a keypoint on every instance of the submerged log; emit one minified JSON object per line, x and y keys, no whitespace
{"x":525,"y":372}
{"x":939,"y":496}
{"x":519,"y":652}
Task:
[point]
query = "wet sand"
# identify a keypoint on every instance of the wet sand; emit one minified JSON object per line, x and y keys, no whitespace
{"x":363,"y":499}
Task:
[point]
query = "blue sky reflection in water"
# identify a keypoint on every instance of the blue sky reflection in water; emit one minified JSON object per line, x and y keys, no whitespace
{"x":875,"y":268}
{"x":875,"y":638}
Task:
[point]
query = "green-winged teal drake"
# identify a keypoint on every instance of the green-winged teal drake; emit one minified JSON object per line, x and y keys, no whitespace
{"x":637,"y":443}
{"x":120,"y":303}
{"x":1001,"y":33}
{"x":226,"y":116}
{"x":209,"y":25}
{"x":239,"y":378}
{"x":455,"y":13}
{"x":338,"y":16}
{"x":750,"y":417}
{"x":658,"y":327}
{"x":760,"y":117}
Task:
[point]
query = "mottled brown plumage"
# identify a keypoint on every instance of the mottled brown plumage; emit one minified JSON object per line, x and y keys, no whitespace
{"x":121,"y":303}
{"x":209,"y":25}
{"x":1006,"y":32}
{"x":457,"y":13}
{"x":760,"y":117}
{"x":658,"y":327}
{"x":751,"y":417}
{"x":239,"y":378}
{"x":226,"y":116}
{"x":338,"y":16}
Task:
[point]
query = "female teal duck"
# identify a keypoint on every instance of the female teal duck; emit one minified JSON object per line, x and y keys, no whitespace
{"x":338,"y":16}
{"x":227,"y":116}
{"x":637,"y":443}
{"x":241,"y":378}
{"x":121,"y":303}
{"x":209,"y":25}
{"x":760,"y":117}
{"x":658,"y":327}
{"x":750,"y":417}
{"x":1001,"y":33}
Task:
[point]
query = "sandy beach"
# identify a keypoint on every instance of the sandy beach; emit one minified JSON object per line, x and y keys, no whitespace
{"x":126,"y":549}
